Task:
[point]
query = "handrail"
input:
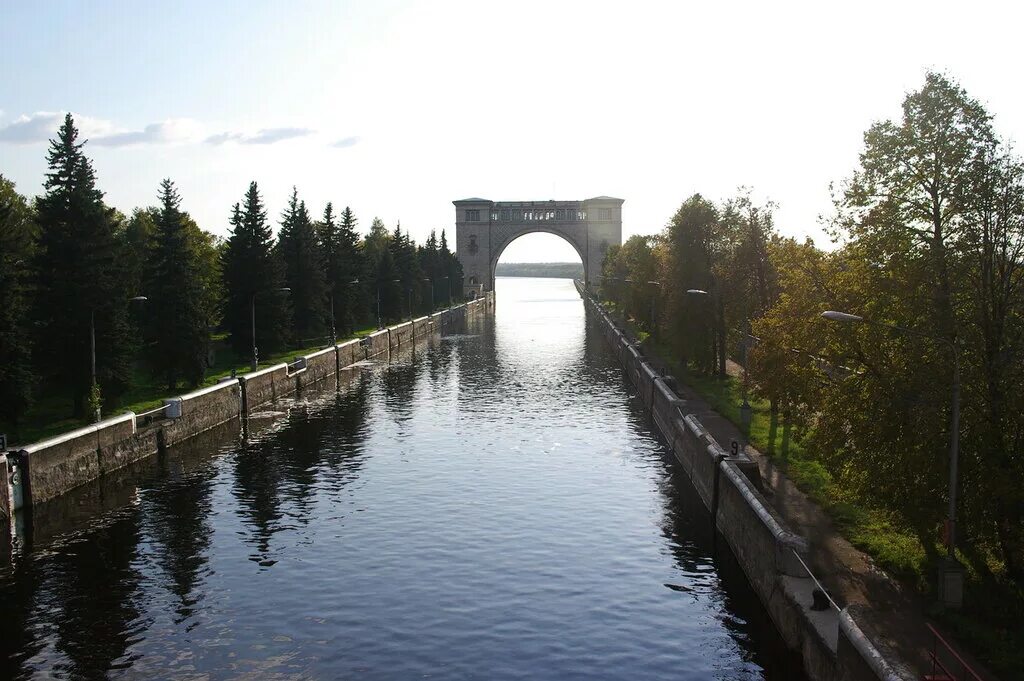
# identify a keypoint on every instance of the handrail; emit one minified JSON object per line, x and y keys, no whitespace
{"x":146,"y":417}
{"x":817,"y":583}
{"x":964,"y":667}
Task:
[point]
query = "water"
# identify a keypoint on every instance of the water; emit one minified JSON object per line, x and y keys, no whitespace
{"x":496,"y":507}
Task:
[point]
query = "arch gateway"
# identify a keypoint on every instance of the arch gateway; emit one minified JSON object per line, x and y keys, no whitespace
{"x":484,"y":228}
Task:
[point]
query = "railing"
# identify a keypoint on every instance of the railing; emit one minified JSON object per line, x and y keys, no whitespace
{"x":148,"y":417}
{"x":816,"y":603}
{"x":940,"y":672}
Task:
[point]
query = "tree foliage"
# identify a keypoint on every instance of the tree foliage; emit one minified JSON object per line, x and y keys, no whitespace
{"x":253,"y":279}
{"x":179,"y":303}
{"x":17,"y":235}
{"x":79,"y":277}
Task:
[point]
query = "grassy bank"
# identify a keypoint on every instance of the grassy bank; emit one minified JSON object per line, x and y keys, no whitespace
{"x":988,"y":625}
{"x":49,"y":414}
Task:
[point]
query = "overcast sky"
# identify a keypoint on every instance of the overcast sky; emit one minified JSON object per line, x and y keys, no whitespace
{"x":398,"y":108}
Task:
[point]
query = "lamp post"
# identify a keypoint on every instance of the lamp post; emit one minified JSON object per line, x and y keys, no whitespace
{"x":431,"y":282}
{"x":950,"y":574}
{"x":254,"y":362}
{"x":97,"y":414}
{"x":334,"y":334}
{"x":653,"y":299}
{"x":448,"y":279}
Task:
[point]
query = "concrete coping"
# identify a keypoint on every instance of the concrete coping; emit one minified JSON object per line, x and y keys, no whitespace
{"x":378,"y":333}
{"x":420,"y":319}
{"x":697,"y":428}
{"x":204,"y":391}
{"x":263,"y":372}
{"x":311,"y":355}
{"x":867,"y":650}
{"x":80,"y":432}
{"x":354,"y":341}
{"x":783,"y":536}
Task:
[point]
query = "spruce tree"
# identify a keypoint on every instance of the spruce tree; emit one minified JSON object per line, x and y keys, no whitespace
{"x":17,"y":231}
{"x":304,"y":270}
{"x":174,"y":285}
{"x":343,"y":266}
{"x":253,"y":277}
{"x":80,"y":282}
{"x":452,"y":268}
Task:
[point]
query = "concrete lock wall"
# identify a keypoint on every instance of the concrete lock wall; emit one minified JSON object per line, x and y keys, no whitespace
{"x":60,"y":464}
{"x":421,"y":327}
{"x":401,"y":335}
{"x":265,"y":385}
{"x":378,"y":343}
{"x":832,"y":646}
{"x":350,"y":352}
{"x":200,"y":410}
{"x":77,"y":457}
{"x":320,"y":366}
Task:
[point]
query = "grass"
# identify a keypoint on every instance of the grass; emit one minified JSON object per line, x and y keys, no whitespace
{"x":988,"y":625}
{"x":49,"y":415}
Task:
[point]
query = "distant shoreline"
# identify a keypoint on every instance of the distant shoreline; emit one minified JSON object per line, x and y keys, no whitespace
{"x":547,"y":270}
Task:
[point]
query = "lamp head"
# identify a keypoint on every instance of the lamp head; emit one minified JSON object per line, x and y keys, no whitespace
{"x":835,"y":316}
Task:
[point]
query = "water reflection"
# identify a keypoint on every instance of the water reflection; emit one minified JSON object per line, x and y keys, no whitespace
{"x":493,"y":506}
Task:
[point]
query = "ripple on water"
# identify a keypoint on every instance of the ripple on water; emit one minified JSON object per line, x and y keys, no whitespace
{"x":496,"y":506}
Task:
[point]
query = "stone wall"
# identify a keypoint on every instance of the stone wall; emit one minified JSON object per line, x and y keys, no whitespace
{"x":200,"y":410}
{"x":71,"y":459}
{"x":350,"y":352}
{"x":265,"y":385}
{"x":321,"y":366}
{"x":832,"y":646}
{"x":59,"y":464}
{"x":400,"y":335}
{"x":378,"y":344}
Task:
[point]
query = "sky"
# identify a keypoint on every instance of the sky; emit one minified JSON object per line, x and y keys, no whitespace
{"x":398,"y":108}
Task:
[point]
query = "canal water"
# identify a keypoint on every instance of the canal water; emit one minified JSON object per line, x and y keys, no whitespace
{"x":496,"y":506}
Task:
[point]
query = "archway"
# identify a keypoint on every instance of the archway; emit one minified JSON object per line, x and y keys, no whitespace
{"x":524,"y":250}
{"x":483,"y":229}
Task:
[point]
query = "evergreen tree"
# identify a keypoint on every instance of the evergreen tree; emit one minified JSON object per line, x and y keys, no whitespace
{"x":174,"y":285}
{"x":403,"y":252}
{"x":452,"y":268}
{"x":138,"y":234}
{"x":389,"y":289}
{"x":304,"y":269}
{"x":253,"y":277}
{"x":17,"y":231}
{"x":80,"y":282}
{"x":343,"y":266}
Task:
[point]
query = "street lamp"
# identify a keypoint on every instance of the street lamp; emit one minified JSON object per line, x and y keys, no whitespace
{"x":653,"y":299}
{"x":431,"y":282}
{"x":254,"y":362}
{"x":448,"y":279}
{"x":950,"y":575}
{"x":92,"y":350}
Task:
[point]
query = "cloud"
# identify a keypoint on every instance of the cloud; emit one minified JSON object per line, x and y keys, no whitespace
{"x":265,"y":136}
{"x":272,"y":135}
{"x":42,"y":126}
{"x":38,"y":127}
{"x":346,"y":143}
{"x":167,"y":132}
{"x":222,"y":137}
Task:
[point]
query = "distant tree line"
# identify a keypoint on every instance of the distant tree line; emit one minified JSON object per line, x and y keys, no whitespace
{"x":151,"y":289}
{"x":929,"y":233}
{"x":557,"y":270}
